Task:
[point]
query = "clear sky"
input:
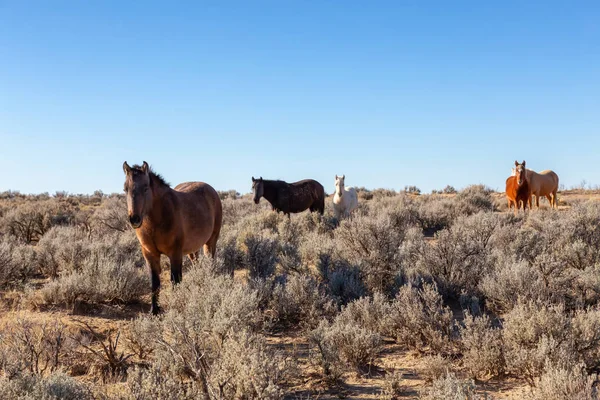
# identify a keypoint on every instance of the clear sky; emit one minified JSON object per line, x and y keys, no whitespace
{"x":390,"y":93}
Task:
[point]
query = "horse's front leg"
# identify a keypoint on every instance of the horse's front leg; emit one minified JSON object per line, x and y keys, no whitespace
{"x":153,"y":262}
{"x":176,"y":260}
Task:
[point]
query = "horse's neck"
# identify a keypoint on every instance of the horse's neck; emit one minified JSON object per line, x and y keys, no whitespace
{"x":161,"y":197}
{"x":270,"y":192}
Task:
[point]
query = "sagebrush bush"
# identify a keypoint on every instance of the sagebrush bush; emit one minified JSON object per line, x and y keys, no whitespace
{"x":482,"y":347}
{"x":300,"y":300}
{"x":373,"y":245}
{"x":534,"y":334}
{"x":462,"y":254}
{"x":101,"y":280}
{"x":450,"y":387}
{"x":18,"y":263}
{"x":565,"y":383}
{"x":421,"y":321}
{"x":56,"y":386}
{"x":342,"y":345}
{"x":207,"y":338}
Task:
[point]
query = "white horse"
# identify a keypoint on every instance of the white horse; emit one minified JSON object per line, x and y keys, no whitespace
{"x":345,"y":199}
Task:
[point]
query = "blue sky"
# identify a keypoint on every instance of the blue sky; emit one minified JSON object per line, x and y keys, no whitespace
{"x":396,"y":93}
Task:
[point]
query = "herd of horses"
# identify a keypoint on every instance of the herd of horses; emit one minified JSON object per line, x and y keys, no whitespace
{"x":524,"y":183}
{"x":180,"y":221}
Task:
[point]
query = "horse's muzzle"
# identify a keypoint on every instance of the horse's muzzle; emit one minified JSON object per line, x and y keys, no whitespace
{"x":256,"y":201}
{"x":135,"y":221}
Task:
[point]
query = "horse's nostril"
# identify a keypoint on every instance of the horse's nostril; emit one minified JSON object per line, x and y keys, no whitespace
{"x":135,"y":220}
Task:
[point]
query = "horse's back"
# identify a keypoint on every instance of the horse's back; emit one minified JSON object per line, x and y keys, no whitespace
{"x":199,"y":206}
{"x":543,"y":182}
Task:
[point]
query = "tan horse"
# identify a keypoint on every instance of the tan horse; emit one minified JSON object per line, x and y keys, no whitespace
{"x":544,"y":183}
{"x":174,"y":222}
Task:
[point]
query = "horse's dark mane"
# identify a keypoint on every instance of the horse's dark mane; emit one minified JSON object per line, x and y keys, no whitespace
{"x":156,"y":177}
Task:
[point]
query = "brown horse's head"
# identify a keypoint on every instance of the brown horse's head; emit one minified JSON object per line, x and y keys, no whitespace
{"x":258,"y":188}
{"x":138,"y":192}
{"x":520,"y":173}
{"x":339,"y":185}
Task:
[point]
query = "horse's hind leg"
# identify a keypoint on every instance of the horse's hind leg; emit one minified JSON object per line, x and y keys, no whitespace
{"x":554,"y":197}
{"x":194,"y":256}
{"x":176,"y":260}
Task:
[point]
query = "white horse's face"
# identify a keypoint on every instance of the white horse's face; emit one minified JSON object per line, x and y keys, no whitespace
{"x":339,"y":184}
{"x":513,"y":172}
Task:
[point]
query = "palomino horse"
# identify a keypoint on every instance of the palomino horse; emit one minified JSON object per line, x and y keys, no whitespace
{"x":174,"y":222}
{"x":544,"y":183}
{"x":345,"y":199}
{"x":290,"y":197}
{"x":517,"y":188}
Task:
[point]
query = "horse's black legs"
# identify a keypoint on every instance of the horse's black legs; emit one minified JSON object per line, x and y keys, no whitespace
{"x":176,"y":267}
{"x":153,"y":263}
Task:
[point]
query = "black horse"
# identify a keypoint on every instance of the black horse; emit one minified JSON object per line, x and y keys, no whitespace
{"x":290,"y":197}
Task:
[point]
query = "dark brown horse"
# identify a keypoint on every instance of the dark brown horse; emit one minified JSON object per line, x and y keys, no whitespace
{"x":290,"y":197}
{"x":517,"y":188}
{"x":174,"y":222}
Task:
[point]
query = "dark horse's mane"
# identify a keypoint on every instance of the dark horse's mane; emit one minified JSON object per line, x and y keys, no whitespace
{"x":155,"y":177}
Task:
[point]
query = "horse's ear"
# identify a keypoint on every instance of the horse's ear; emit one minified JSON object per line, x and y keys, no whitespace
{"x":336,"y":177}
{"x":516,"y":163}
{"x":126,"y":168}
{"x":261,"y":178}
{"x":344,"y":176}
{"x":145,"y":167}
{"x":253,"y":179}
{"x":523,"y":163}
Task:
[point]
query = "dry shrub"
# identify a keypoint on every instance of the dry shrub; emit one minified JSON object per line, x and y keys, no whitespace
{"x":373,"y":245}
{"x":421,"y":321}
{"x":341,"y":345}
{"x":299,"y":301}
{"x":474,"y":199}
{"x":30,"y":220}
{"x":52,"y":387}
{"x":462,"y":254}
{"x":481,"y":347}
{"x":392,"y":386}
{"x":435,"y":367}
{"x":260,"y":255}
{"x":214,"y":303}
{"x":534,"y":334}
{"x":206,"y":338}
{"x":110,"y":217}
{"x":106,"y":359}
{"x":450,"y":387}
{"x":343,"y":281}
{"x":17,"y":263}
{"x":28,"y":346}
{"x":509,"y":281}
{"x":371,"y":313}
{"x":565,"y":383}
{"x":102,"y":279}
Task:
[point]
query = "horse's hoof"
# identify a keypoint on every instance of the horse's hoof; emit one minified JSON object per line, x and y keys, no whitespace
{"x":155,"y":310}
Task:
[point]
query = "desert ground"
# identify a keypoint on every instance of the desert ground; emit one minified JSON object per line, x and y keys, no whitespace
{"x":430,"y":296}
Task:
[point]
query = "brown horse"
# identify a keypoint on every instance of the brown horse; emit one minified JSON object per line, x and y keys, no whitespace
{"x":517,"y":188}
{"x":174,"y":222}
{"x":290,"y":197}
